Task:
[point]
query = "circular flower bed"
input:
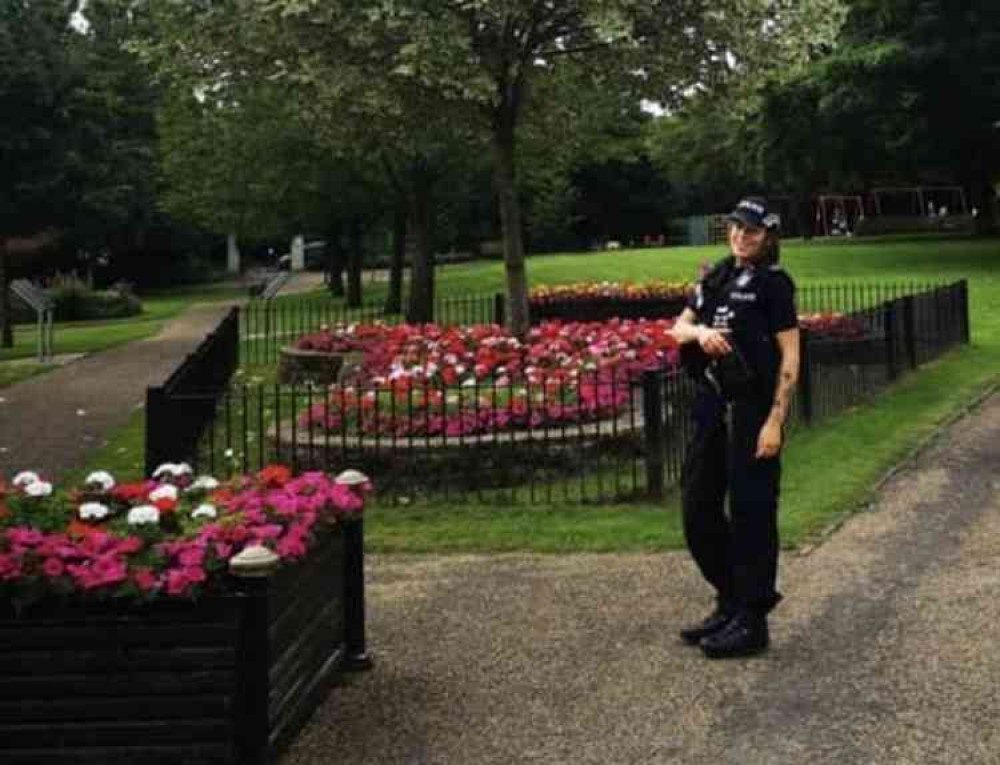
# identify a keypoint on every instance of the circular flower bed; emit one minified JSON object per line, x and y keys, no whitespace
{"x":166,"y":536}
{"x":426,"y":380}
{"x":456,"y":381}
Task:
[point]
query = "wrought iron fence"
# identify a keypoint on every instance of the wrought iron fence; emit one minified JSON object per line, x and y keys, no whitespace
{"x":595,"y":439}
{"x":178,"y":412}
{"x":268,"y":325}
{"x":550,"y":440}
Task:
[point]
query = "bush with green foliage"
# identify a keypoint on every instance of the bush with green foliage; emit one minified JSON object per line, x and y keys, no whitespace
{"x":74,"y":300}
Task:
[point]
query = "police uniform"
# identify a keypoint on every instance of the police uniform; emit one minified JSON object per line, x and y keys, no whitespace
{"x":737,"y":552}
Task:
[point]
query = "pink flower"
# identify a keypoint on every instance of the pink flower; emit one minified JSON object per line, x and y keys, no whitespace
{"x":10,"y":567}
{"x":192,"y":556}
{"x":144,"y":579}
{"x":268,"y":531}
{"x":53,"y":568}
{"x":24,"y":537}
{"x":291,"y":546}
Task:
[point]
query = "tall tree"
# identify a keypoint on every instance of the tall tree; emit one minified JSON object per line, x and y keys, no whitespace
{"x":488,"y":54}
{"x":481,"y":58}
{"x":910,"y":94}
{"x":40,"y":68}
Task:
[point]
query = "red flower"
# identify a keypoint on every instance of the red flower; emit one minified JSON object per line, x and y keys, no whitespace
{"x":78,"y":528}
{"x":274,"y":476}
{"x":165,"y":505}
{"x":131,"y":492}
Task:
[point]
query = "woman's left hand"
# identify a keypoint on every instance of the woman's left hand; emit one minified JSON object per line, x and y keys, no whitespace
{"x":769,"y":440}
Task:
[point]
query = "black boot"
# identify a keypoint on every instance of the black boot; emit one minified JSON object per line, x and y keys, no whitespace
{"x":744,"y":635}
{"x":710,"y":625}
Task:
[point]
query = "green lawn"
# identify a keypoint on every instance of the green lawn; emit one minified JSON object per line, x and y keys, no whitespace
{"x":93,"y":336}
{"x":862,"y":444}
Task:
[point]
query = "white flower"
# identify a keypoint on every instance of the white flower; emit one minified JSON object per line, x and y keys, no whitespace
{"x":205,"y":482}
{"x":102,"y":478}
{"x":174,"y":469}
{"x":26,"y":477}
{"x":38,"y":489}
{"x":206,"y":511}
{"x":167,"y":468}
{"x":143,"y":514}
{"x":93,"y":510}
{"x":163,"y":492}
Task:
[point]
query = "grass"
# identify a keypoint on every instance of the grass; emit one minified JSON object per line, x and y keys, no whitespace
{"x":862,"y":443}
{"x":94,"y":336}
{"x":15,"y":372}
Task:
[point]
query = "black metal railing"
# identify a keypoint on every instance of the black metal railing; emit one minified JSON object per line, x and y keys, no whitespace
{"x":179,"y":410}
{"x":415,"y":447}
{"x":269,"y":325}
{"x":551,"y":440}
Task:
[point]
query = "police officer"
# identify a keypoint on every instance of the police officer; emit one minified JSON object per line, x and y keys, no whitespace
{"x":739,"y":338}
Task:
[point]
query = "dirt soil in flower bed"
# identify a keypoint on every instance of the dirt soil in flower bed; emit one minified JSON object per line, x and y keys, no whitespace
{"x":883,"y":651}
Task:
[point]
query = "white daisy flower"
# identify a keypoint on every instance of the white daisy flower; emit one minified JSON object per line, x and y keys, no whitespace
{"x":143,"y":515}
{"x":26,"y":477}
{"x":163,"y":492}
{"x":94,"y":510}
{"x":205,"y":482}
{"x":102,"y":478}
{"x":204,"y":511}
{"x":38,"y":489}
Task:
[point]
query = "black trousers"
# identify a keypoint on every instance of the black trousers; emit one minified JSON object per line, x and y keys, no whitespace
{"x":736,"y":551}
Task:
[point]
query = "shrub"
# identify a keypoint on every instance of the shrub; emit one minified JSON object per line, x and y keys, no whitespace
{"x":75,"y":301}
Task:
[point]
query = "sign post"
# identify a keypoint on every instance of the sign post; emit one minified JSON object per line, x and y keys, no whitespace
{"x":44,"y":309}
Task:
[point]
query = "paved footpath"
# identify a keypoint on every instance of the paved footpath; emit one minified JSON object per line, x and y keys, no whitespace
{"x":53,"y":422}
{"x":885,"y":649}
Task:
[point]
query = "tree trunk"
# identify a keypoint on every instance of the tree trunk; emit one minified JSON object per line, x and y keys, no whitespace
{"x":394,"y":298}
{"x":354,"y":258}
{"x":335,"y":261}
{"x":985,"y":202}
{"x":420,"y":309}
{"x":232,"y":254}
{"x":6,"y":319}
{"x":518,"y":318}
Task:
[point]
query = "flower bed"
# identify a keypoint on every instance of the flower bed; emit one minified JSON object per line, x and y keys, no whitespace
{"x":837,"y":339}
{"x":460,"y":381}
{"x":427,"y":381}
{"x":599,"y":301}
{"x":174,"y":620}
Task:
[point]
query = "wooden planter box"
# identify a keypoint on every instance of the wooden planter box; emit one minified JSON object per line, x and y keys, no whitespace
{"x":227,"y":679}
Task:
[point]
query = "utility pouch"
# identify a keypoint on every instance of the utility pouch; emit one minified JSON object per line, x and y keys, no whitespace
{"x":731,"y":375}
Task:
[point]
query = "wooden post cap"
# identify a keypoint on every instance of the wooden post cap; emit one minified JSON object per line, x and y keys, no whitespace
{"x":254,"y":561}
{"x":351,"y":478}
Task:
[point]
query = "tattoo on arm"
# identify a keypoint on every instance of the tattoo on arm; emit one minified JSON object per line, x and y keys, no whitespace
{"x":788,"y":375}
{"x":783,"y":395}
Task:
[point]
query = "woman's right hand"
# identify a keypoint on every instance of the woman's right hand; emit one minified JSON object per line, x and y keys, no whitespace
{"x":713,"y":341}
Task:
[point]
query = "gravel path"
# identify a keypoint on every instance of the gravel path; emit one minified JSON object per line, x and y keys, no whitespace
{"x":883,"y":650}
